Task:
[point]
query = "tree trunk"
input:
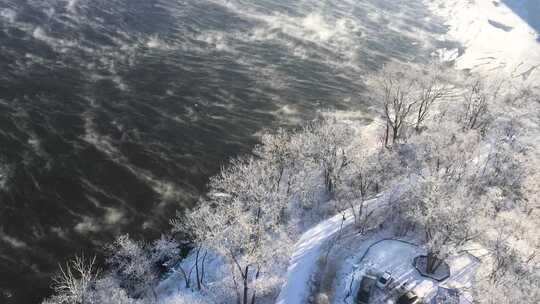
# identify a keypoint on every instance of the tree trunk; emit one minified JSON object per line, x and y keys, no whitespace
{"x":432,"y":262}
{"x":197,"y":268}
{"x":328,"y":180}
{"x":256,"y":277}
{"x":246,"y":287}
{"x":386,"y":135}
{"x":202,"y":266}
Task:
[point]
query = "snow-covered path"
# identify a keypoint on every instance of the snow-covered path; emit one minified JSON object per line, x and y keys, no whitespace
{"x":310,"y":247}
{"x":307,"y":251}
{"x":304,"y":259}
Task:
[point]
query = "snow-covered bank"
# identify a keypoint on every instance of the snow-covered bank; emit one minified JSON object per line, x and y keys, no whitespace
{"x":497,"y":41}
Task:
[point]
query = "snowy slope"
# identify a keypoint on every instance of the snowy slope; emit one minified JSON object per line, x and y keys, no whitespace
{"x":497,"y":41}
{"x":304,"y":259}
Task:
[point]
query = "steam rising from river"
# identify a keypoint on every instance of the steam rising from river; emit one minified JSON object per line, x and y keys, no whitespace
{"x":114,"y":113}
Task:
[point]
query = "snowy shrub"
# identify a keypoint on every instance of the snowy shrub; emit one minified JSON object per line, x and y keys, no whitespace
{"x":132,"y":265}
{"x":108,"y":291}
{"x":322,"y":298}
{"x":186,"y":298}
{"x":164,"y":253}
{"x":75,"y":281}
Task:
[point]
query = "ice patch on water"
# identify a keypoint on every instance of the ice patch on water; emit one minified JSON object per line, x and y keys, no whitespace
{"x":511,"y":54}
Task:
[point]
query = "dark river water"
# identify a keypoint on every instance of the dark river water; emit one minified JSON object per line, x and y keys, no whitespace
{"x":113,"y":113}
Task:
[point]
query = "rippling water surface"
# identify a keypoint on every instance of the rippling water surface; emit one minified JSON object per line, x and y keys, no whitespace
{"x":113,"y":113}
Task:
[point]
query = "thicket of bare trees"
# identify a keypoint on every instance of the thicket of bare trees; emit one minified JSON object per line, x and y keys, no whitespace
{"x":74,"y":279}
{"x":405,"y":101}
{"x":240,"y":221}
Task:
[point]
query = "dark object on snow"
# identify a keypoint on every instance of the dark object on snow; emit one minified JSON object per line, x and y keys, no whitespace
{"x":364,"y":292}
{"x":441,"y":273}
{"x":446,"y":295}
{"x":409,"y":298}
{"x":500,"y":26}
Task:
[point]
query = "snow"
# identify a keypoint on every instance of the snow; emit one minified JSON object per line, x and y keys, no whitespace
{"x":497,"y":41}
{"x":307,"y":251}
{"x":304,"y":259}
{"x":376,"y":252}
{"x":380,"y":254}
{"x":310,"y":247}
{"x":462,"y":268}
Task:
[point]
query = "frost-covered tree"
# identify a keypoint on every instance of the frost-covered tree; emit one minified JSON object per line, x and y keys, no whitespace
{"x":325,"y":142}
{"x":513,"y":278}
{"x":431,"y":88}
{"x":186,"y":299}
{"x":75,"y":282}
{"x":476,"y":111}
{"x":362,"y":182}
{"x":164,"y":252}
{"x":281,"y":152}
{"x":396,"y":98}
{"x":241,"y":221}
{"x":132,"y":265}
{"x":108,"y":291}
{"x":446,"y":212}
{"x":510,"y":269}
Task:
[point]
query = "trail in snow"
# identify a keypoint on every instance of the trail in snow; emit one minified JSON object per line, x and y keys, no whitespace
{"x":307,"y":251}
{"x":310,"y":247}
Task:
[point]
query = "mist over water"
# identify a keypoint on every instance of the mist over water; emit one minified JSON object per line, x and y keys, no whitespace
{"x":113,"y":113}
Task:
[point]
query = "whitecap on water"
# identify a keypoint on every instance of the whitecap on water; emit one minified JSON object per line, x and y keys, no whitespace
{"x":39,"y":34}
{"x":155,"y":43}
